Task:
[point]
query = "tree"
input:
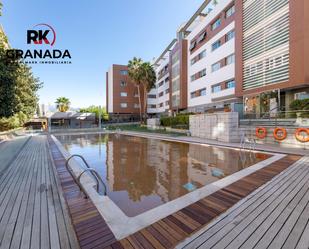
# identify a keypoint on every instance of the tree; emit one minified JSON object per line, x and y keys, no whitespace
{"x":96,"y":110}
{"x":1,"y":9}
{"x":144,"y":77}
{"x":148,"y":81}
{"x":63,"y":104}
{"x":135,"y":74}
{"x":18,"y":89}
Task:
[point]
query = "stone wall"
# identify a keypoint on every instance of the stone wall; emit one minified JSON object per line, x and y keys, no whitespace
{"x":289,"y":142}
{"x":223,"y":126}
{"x":153,"y":123}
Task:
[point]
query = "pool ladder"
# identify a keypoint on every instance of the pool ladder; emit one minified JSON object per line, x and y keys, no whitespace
{"x":246,"y":140}
{"x":93,"y":173}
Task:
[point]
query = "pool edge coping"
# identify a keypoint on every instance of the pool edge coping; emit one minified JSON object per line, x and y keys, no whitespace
{"x":122,"y":225}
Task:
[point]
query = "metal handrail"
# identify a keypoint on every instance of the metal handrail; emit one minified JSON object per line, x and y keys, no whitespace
{"x":93,"y":172}
{"x":97,"y":177}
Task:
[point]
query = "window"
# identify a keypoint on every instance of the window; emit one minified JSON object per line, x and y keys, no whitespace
{"x":192,"y":45}
{"x":124,"y":94}
{"x":167,"y":102}
{"x":230,"y":35}
{"x":216,"y":45}
{"x":230,"y":59}
{"x":135,"y":95}
{"x":216,"y":67}
{"x":136,"y":106}
{"x":202,"y":37}
{"x":124,"y":72}
{"x":161,"y":105}
{"x":161,"y":83}
{"x":151,"y":96}
{"x":202,"y":73}
{"x":161,"y":94}
{"x":167,"y":91}
{"x":216,"y":24}
{"x":123,"y":105}
{"x":203,"y":92}
{"x":192,"y":95}
{"x":230,"y":84}
{"x":198,"y":75}
{"x":230,"y":11}
{"x":200,"y":56}
{"x":152,"y":106}
{"x":123,"y":83}
{"x":216,"y":88}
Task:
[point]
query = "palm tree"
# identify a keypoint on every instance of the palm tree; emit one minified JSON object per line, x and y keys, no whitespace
{"x":144,"y":76}
{"x":148,"y":81}
{"x":135,"y":74}
{"x":63,"y":104}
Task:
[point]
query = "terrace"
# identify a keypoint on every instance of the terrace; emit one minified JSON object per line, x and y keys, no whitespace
{"x":264,"y":205}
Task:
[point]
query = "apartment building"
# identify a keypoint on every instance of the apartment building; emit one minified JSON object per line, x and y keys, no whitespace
{"x":211,"y":59}
{"x":272,"y":58}
{"x":159,"y":97}
{"x":122,"y":101}
{"x":249,"y":55}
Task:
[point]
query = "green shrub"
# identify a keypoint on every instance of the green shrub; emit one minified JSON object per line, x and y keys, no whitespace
{"x":181,"y":121}
{"x":16,"y":121}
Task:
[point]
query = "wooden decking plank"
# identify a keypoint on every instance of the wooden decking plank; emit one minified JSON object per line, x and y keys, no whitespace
{"x":215,"y":231}
{"x":13,"y":199}
{"x":283,"y":225}
{"x":14,"y":226}
{"x":67,"y":237}
{"x":264,"y":208}
{"x":271,"y":224}
{"x":36,"y":220}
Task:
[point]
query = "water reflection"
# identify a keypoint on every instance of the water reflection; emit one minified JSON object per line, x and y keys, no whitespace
{"x":144,"y":173}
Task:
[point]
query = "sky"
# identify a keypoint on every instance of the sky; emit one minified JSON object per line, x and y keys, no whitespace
{"x":98,"y":33}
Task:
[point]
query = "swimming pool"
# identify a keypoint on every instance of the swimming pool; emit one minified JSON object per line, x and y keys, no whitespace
{"x":144,"y":173}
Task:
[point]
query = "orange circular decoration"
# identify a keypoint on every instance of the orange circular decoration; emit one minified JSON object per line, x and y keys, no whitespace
{"x":260,"y":132}
{"x":280,"y":134}
{"x":299,"y":137}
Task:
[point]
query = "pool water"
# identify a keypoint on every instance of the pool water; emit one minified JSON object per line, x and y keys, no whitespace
{"x":143,"y":173}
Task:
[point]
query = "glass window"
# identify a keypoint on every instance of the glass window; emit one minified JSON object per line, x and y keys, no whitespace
{"x":216,"y":45}
{"x":202,"y":73}
{"x":193,"y":77}
{"x":167,"y":91}
{"x":123,"y":105}
{"x":203,"y":92}
{"x":192,"y":45}
{"x":202,"y":37}
{"x":230,"y":59}
{"x":123,"y":94}
{"x":216,"y":24}
{"x":124,"y":72}
{"x":230,"y":11}
{"x":230,"y":35}
{"x":230,"y":84}
{"x":136,"y":106}
{"x":216,"y":66}
{"x":123,"y":83}
{"x":167,"y":102}
{"x":216,"y":88}
{"x":192,"y":95}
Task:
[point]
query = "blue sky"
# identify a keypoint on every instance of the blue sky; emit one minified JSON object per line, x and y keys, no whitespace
{"x":98,"y":33}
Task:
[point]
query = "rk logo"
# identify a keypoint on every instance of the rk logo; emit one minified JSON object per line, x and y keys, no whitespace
{"x":40,"y":36}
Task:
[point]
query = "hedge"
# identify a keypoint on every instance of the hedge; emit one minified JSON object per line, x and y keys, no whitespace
{"x":180,"y":121}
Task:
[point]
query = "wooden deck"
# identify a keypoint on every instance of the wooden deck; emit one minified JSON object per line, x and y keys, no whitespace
{"x":274,"y":216}
{"x":42,"y":207}
{"x":33,"y":213}
{"x":170,"y":231}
